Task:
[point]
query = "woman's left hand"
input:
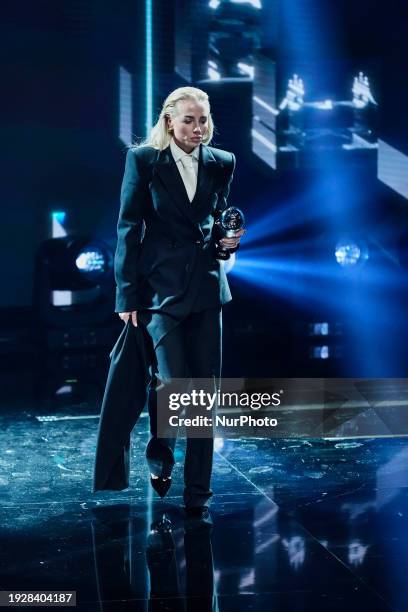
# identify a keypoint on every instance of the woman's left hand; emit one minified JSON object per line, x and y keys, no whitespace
{"x":232,"y":243}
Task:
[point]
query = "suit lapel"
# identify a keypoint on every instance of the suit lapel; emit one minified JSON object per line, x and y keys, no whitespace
{"x":206,"y":172}
{"x":169,"y":175}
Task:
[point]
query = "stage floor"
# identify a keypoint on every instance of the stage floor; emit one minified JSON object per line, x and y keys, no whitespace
{"x":298,"y":525}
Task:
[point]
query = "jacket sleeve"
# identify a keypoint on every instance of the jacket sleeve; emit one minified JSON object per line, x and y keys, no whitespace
{"x":134,"y":193}
{"x":224,"y":192}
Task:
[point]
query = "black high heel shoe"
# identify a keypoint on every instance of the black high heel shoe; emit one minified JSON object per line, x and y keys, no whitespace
{"x":161,"y":461}
{"x":161,"y":485}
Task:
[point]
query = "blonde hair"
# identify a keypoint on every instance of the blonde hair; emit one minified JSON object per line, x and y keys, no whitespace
{"x":159,"y":136}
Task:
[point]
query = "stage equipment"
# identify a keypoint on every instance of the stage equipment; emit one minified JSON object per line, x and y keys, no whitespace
{"x":291,"y":132}
{"x":350,"y":253}
{"x":74,"y":291}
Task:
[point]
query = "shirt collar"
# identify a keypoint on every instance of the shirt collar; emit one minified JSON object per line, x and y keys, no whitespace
{"x":179,"y":153}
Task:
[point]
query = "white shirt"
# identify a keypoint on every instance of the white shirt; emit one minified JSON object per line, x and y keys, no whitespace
{"x":187,"y":164}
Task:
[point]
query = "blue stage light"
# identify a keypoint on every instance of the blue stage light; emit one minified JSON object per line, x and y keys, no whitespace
{"x":255,"y":3}
{"x":73,"y":286}
{"x":59,"y":216}
{"x":58,"y":219}
{"x":319,"y":329}
{"x":149,"y":65}
{"x":125,"y":106}
{"x":91,"y":261}
{"x":349,"y":253}
{"x":321,"y":352}
{"x":214,"y":4}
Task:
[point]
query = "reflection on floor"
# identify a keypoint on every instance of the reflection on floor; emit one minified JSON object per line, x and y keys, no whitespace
{"x":299,"y":525}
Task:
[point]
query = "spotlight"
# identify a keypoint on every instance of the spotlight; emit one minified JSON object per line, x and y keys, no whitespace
{"x":93,"y":262}
{"x":73,"y":289}
{"x":349,"y":253}
{"x":255,"y":3}
{"x":328,"y":333}
{"x":319,"y":329}
{"x":320,"y":352}
{"x":214,"y":4}
{"x":76,"y":263}
{"x":57,"y":224}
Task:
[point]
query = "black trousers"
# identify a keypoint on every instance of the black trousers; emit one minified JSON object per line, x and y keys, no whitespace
{"x":191,"y":350}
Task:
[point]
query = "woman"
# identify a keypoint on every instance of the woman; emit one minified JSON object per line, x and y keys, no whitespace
{"x":168,"y":279}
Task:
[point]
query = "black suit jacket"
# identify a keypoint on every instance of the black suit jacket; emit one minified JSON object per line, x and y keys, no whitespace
{"x":164,"y":259}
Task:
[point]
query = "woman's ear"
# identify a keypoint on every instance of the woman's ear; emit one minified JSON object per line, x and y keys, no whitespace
{"x":169,"y":123}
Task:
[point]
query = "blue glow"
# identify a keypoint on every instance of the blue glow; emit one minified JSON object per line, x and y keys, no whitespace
{"x":149,"y":66}
{"x":321,"y":352}
{"x":361,"y":91}
{"x":349,"y":253}
{"x":317,"y":203}
{"x":320,"y":329}
{"x":298,"y":249}
{"x":255,"y":3}
{"x":125,"y":106}
{"x":91,"y":261}
{"x":57,"y":224}
{"x":315,"y":282}
{"x":326,"y":200}
{"x":324,"y":105}
{"x":361,"y":296}
{"x":287,"y":277}
{"x":59,"y":216}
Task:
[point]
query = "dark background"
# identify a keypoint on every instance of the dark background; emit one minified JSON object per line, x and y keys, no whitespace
{"x":61,"y":150}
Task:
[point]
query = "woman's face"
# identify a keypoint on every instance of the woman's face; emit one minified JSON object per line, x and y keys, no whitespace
{"x":190,"y":125}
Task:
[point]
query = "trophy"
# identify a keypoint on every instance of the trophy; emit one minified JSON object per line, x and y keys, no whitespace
{"x":231,"y":221}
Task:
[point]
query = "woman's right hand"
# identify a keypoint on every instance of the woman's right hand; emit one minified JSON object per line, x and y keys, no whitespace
{"x":125,"y":317}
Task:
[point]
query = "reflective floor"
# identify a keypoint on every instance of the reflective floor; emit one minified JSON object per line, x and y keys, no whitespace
{"x":298,"y":525}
